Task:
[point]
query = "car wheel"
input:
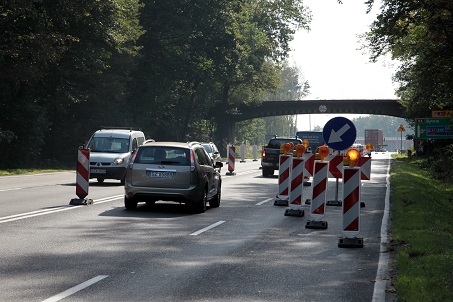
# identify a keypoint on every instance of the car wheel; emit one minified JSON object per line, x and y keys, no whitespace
{"x":100,"y":180}
{"x":130,"y":203}
{"x":200,"y":206}
{"x":268,"y":172}
{"x":215,"y":202}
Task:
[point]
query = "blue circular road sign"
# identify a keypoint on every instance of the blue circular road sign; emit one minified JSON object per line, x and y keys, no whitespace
{"x":339,"y":133}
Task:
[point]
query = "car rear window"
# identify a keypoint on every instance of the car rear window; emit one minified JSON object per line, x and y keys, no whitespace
{"x":278,"y":142}
{"x":163,"y":155}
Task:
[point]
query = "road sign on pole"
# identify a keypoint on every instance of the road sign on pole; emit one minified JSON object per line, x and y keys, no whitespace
{"x":339,"y":133}
{"x":434,"y":128}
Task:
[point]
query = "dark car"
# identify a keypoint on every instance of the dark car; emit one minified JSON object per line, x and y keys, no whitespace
{"x":213,"y":151}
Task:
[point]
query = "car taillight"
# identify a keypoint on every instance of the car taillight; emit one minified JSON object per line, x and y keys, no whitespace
{"x":263,"y":154}
{"x":192,"y":161}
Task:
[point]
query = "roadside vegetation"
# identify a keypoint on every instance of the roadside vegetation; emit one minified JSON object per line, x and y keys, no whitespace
{"x":421,"y":230}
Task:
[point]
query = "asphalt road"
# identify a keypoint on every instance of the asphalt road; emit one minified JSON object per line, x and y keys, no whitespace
{"x":245,"y":250}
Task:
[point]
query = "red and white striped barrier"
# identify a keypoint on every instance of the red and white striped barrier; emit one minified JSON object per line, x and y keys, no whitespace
{"x":365,"y":167}
{"x":296,"y":187}
{"x":82,"y":177}
{"x":335,"y":166}
{"x":231,"y":159}
{"x":309,"y":164}
{"x":283,"y":179}
{"x":318,"y":201}
{"x":351,"y":208}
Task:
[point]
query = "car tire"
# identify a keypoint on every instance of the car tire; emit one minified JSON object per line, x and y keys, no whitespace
{"x":215,"y":202}
{"x":100,"y":180}
{"x":200,"y":206}
{"x":268,"y":172}
{"x":130,"y":203}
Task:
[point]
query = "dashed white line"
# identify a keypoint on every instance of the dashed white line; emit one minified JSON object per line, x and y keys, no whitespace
{"x":264,"y":201}
{"x":207,"y":228}
{"x":12,"y":189}
{"x":75,"y":289}
{"x":52,"y":210}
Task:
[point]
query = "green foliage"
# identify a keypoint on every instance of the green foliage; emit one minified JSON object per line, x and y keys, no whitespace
{"x":421,"y":231}
{"x":419,"y":34}
{"x":442,"y":164}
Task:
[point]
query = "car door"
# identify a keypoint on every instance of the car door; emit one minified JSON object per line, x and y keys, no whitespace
{"x":207,"y":170}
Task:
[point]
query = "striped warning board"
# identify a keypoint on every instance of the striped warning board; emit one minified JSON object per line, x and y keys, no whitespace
{"x":318,"y":202}
{"x":283,"y":175}
{"x":83,"y":173}
{"x":231,"y":159}
{"x":351,"y":201}
{"x":365,"y":167}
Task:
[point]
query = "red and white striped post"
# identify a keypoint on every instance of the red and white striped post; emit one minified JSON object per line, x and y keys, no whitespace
{"x":351,"y":208}
{"x":309,"y":166}
{"x":296,"y":187}
{"x":318,"y":201}
{"x":82,"y":178}
{"x":335,"y":171}
{"x":284,"y":169}
{"x":231,"y":159}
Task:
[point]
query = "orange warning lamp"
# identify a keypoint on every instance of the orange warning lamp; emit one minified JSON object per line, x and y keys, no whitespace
{"x":369,"y":146}
{"x":323,"y":152}
{"x":300,"y":150}
{"x":286,"y":147}
{"x":353,"y":156}
{"x":306,"y":143}
{"x":291,"y":145}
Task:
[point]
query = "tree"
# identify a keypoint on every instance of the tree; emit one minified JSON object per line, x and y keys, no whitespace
{"x":420,"y":35}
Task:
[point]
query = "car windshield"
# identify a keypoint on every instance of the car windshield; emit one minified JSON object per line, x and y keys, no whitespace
{"x":109,"y":144}
{"x":163,"y":155}
{"x":277,"y":143}
{"x":207,"y":147}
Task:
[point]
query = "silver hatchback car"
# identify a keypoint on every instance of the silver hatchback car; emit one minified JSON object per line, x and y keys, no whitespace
{"x":173,"y":171}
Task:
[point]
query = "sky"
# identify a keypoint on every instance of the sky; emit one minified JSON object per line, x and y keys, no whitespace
{"x":330,"y":59}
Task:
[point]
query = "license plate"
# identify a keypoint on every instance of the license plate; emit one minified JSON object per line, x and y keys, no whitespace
{"x":98,"y":171}
{"x":160,"y":174}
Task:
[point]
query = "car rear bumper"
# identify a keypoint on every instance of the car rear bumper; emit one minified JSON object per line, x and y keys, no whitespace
{"x":107,"y":172}
{"x":189,"y":195}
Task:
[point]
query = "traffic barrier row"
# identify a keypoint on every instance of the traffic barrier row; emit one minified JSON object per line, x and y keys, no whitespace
{"x":290,"y":192}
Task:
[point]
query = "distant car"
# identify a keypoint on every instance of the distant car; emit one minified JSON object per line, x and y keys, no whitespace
{"x":111,"y":150}
{"x":173,"y":171}
{"x":213,"y":151}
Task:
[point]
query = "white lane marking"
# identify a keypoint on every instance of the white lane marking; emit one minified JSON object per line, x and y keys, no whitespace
{"x":75,"y":289}
{"x":383,"y":264}
{"x":53,"y":210}
{"x":264,"y":201}
{"x":207,"y":228}
{"x":13,"y":189}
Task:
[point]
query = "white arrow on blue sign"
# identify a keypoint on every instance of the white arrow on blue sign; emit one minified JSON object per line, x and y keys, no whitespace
{"x":339,"y":133}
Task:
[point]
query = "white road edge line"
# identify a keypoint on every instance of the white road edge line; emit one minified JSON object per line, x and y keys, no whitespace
{"x":207,"y":228}
{"x":264,"y":201}
{"x":75,"y":289}
{"x":53,"y":210}
{"x":382,"y":270}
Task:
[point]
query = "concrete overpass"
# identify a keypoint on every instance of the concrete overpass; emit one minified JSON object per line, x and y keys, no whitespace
{"x":389,"y":107}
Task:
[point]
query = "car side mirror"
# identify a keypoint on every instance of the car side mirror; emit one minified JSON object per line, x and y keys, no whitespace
{"x":218,"y":164}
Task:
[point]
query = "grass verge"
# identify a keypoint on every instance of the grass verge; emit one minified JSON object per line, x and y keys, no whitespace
{"x":422,"y":233}
{"x":28,"y":171}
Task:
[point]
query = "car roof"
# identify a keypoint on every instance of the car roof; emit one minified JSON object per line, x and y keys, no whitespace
{"x":116,"y":133}
{"x":168,"y":144}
